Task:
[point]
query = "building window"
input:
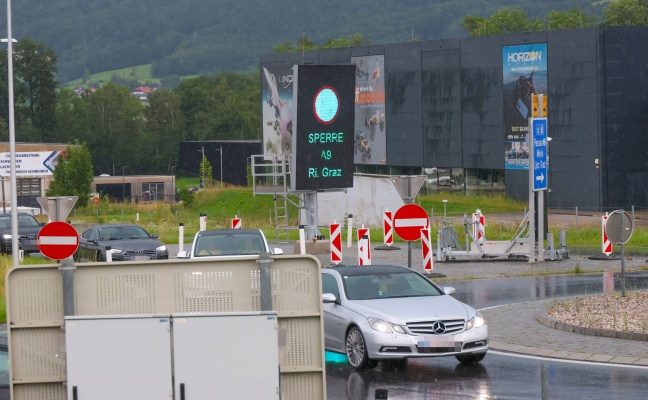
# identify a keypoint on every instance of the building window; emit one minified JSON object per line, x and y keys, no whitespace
{"x":153,"y":191}
{"x":28,"y":187}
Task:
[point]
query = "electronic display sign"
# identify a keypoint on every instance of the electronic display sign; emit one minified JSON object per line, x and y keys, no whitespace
{"x":322,"y":156}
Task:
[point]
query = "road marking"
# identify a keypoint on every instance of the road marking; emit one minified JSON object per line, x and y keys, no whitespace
{"x":563,"y":360}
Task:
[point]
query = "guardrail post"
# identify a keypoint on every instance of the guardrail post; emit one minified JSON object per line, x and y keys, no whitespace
{"x":265,"y":283}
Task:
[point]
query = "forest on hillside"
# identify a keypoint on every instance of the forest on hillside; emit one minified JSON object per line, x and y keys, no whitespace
{"x":206,"y":37}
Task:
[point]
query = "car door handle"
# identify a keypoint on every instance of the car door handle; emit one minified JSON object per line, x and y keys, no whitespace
{"x":182,"y":391}
{"x":75,"y":395}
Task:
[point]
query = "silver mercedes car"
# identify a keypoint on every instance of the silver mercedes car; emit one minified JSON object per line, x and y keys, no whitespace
{"x":374,"y":313}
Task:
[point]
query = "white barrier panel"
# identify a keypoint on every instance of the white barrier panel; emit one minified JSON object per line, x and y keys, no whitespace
{"x":364,"y":246}
{"x":236,"y":223}
{"x":203,"y":222}
{"x":227,"y":285}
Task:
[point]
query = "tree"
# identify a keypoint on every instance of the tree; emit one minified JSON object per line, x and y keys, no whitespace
{"x":73,"y":174}
{"x":626,"y":13}
{"x":355,"y":40}
{"x":116,"y":134}
{"x":36,"y":67}
{"x":574,"y":18}
{"x":164,"y":123}
{"x":205,"y":171}
{"x":507,"y":20}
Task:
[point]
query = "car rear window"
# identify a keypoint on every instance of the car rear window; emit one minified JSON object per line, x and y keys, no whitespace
{"x":229,"y":244}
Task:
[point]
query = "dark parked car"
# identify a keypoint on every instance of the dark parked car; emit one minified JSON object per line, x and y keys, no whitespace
{"x":28,"y":229}
{"x":128,"y":242}
{"x":4,"y":370}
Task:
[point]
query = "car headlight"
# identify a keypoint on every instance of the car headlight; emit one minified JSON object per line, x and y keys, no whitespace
{"x":5,"y":236}
{"x":115,"y":251}
{"x":382,"y":326}
{"x":476,"y":321}
{"x":161,"y":248}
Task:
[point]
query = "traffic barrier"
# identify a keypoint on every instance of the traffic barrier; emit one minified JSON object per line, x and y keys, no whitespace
{"x":479,"y":228}
{"x":236,"y":223}
{"x":607,"y":245}
{"x":388,"y":228}
{"x":426,"y":246}
{"x":335,"y":232}
{"x":364,"y":246}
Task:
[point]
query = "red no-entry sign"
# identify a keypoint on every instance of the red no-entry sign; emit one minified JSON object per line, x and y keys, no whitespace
{"x":408,"y":222}
{"x":58,"y":240}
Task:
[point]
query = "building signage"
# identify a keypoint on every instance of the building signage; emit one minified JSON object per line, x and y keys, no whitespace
{"x":35,"y":163}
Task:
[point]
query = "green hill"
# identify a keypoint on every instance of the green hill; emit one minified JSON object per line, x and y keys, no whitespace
{"x":194,"y":37}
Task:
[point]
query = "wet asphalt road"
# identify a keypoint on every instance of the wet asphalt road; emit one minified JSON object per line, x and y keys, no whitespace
{"x":503,"y":375}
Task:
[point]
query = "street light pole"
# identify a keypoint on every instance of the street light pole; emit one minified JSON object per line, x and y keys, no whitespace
{"x":124,"y":183}
{"x":202,"y":173}
{"x":12,"y":143}
{"x":173,"y":181}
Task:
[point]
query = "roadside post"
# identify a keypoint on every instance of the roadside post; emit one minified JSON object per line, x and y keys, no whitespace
{"x":236,"y":223}
{"x":426,"y":247}
{"x":181,"y":237}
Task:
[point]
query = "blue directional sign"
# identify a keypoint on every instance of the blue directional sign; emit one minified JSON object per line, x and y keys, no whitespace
{"x":539,"y":149}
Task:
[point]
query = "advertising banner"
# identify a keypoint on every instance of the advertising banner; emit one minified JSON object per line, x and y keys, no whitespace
{"x":277,"y":108}
{"x":37,"y":163}
{"x":370,"y":126}
{"x":524,"y":73}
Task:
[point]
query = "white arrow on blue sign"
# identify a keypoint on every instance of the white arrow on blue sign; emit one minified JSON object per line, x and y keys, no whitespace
{"x":539,"y":149}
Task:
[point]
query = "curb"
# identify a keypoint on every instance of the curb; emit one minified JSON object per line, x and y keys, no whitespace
{"x":544,"y":319}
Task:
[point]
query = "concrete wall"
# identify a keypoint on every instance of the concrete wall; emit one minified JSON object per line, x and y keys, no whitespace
{"x":370,"y":196}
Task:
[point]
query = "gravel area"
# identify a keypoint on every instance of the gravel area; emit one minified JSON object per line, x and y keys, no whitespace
{"x":607,"y":311}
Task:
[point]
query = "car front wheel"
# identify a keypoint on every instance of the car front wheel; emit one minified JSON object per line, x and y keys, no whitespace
{"x":470,"y":358}
{"x":356,"y":350}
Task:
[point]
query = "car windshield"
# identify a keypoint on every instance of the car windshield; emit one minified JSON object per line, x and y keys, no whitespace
{"x":123,"y":232}
{"x":388,"y":285}
{"x":229,"y":244}
{"x":23,"y":221}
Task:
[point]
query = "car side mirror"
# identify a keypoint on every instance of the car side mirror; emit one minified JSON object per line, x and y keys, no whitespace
{"x":182,"y":254}
{"x":277,"y":251}
{"x":155,"y":236}
{"x":43,"y":223}
{"x":449,"y":289}
{"x":329,"y":298}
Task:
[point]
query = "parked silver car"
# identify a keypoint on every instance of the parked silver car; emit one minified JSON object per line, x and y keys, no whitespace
{"x":374,"y":313}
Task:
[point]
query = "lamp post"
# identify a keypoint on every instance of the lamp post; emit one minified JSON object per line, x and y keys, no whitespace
{"x":221,"y":164}
{"x":202,"y":173}
{"x":12,"y":142}
{"x":124,"y":182}
{"x":173,"y":181}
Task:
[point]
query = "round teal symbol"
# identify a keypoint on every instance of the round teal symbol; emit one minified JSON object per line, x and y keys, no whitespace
{"x":326,"y":105}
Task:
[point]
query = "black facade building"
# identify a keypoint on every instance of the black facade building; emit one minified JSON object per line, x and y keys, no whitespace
{"x":445,"y":110}
{"x":229,"y":159}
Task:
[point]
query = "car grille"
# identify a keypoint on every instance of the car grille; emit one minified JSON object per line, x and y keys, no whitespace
{"x":436,"y":327}
{"x":132,"y":254}
{"x":28,"y":237}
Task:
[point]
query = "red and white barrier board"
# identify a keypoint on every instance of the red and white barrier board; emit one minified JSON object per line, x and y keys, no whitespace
{"x":478,"y":229}
{"x":388,"y":228}
{"x":335,"y":231}
{"x":426,"y":246}
{"x":236,"y":223}
{"x":364,"y":247}
{"x":607,"y":245}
